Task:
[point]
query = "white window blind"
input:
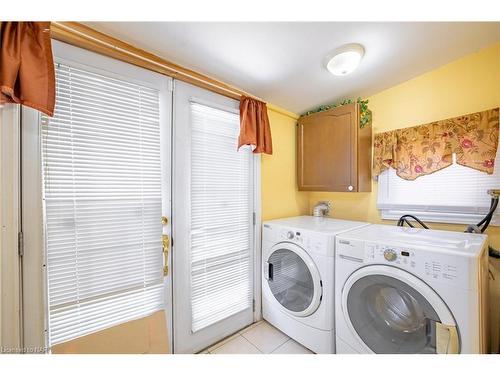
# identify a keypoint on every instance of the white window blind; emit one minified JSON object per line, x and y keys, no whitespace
{"x":455,"y":194}
{"x":102,"y":197}
{"x":221,"y":217}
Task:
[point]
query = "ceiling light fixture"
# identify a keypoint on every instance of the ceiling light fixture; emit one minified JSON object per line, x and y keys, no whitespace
{"x":345,"y":60}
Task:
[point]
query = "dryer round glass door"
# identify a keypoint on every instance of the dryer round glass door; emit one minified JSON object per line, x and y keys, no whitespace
{"x":293,"y":279}
{"x":392,"y":311}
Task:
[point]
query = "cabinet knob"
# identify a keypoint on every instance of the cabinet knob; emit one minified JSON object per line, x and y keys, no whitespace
{"x":350,"y":188}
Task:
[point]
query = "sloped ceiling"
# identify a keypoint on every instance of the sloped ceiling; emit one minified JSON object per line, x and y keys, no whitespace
{"x":283,"y":62}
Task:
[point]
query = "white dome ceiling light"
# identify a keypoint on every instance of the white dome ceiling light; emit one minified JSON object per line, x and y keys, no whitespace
{"x":345,"y":60}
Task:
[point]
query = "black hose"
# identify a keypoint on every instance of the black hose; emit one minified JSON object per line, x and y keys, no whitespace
{"x":409,"y":224}
{"x":493,"y":253}
{"x":489,"y":216}
{"x":403,"y":219}
{"x":494,"y":202}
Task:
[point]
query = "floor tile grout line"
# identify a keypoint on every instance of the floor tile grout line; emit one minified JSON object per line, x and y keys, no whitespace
{"x":251,"y":343}
{"x":247,"y":328}
{"x":288,"y":339}
{"x":273,"y":327}
{"x":226,"y":340}
{"x":279,"y":346}
{"x":240,"y":333}
{"x":250,"y":327}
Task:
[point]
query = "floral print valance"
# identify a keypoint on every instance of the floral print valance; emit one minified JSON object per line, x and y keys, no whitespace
{"x":424,"y":149}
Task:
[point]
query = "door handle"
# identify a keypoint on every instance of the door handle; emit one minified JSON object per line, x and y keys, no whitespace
{"x":165,"y":244}
{"x":165,"y":241}
{"x":446,"y":339}
{"x":268,"y":271}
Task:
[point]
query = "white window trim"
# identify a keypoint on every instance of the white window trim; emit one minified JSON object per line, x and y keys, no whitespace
{"x":257,"y":289}
{"x":436,"y":217}
{"x":35,"y":278}
{"x":34,"y":275}
{"x":10,"y":263}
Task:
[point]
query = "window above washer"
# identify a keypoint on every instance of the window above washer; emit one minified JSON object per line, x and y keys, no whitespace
{"x":456,"y":194}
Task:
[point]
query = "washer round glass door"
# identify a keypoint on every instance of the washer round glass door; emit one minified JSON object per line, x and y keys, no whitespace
{"x":293,"y":279}
{"x":392,"y":311}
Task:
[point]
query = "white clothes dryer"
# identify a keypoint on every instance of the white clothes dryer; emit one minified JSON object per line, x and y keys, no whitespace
{"x":298,"y":277}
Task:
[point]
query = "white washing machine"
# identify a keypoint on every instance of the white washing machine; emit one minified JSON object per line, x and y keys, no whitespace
{"x":408,"y":290}
{"x":298,"y":278}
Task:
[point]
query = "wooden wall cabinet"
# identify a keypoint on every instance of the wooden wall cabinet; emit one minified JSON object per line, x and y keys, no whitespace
{"x":333,"y":152}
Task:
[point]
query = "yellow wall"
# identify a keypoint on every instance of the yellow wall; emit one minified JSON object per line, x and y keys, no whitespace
{"x":470,"y":84}
{"x":280,"y":197}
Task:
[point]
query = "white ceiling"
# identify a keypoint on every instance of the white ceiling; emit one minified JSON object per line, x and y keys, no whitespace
{"x":282,"y":62}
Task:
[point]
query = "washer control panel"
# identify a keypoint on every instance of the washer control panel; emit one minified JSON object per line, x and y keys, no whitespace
{"x":389,"y":254}
{"x":429,"y":265}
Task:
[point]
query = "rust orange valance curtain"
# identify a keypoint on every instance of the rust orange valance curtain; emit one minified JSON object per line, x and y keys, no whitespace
{"x":424,"y":149}
{"x":26,"y":65}
{"x":254,"y":126}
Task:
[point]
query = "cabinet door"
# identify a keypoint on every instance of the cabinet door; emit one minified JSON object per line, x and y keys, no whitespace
{"x":327,"y":150}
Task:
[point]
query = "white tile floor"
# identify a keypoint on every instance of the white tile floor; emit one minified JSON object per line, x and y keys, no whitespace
{"x":259,"y":338}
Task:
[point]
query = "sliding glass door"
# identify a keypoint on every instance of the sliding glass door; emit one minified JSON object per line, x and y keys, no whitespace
{"x":214,"y":232}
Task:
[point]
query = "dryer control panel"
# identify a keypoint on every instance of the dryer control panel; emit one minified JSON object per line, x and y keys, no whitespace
{"x":313,"y":242}
{"x":319,"y":243}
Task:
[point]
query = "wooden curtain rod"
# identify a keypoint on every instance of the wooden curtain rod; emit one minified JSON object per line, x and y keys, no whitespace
{"x":85,"y":37}
{"x":88,"y":38}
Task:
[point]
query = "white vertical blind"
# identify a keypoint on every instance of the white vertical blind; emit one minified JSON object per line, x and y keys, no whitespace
{"x":455,"y":194}
{"x":221,"y":217}
{"x":102,"y":197}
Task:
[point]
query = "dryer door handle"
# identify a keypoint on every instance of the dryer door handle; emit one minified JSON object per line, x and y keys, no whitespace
{"x":268,"y":271}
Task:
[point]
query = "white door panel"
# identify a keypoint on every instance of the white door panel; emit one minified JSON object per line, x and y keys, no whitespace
{"x":97,"y":181}
{"x":213,"y":254}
